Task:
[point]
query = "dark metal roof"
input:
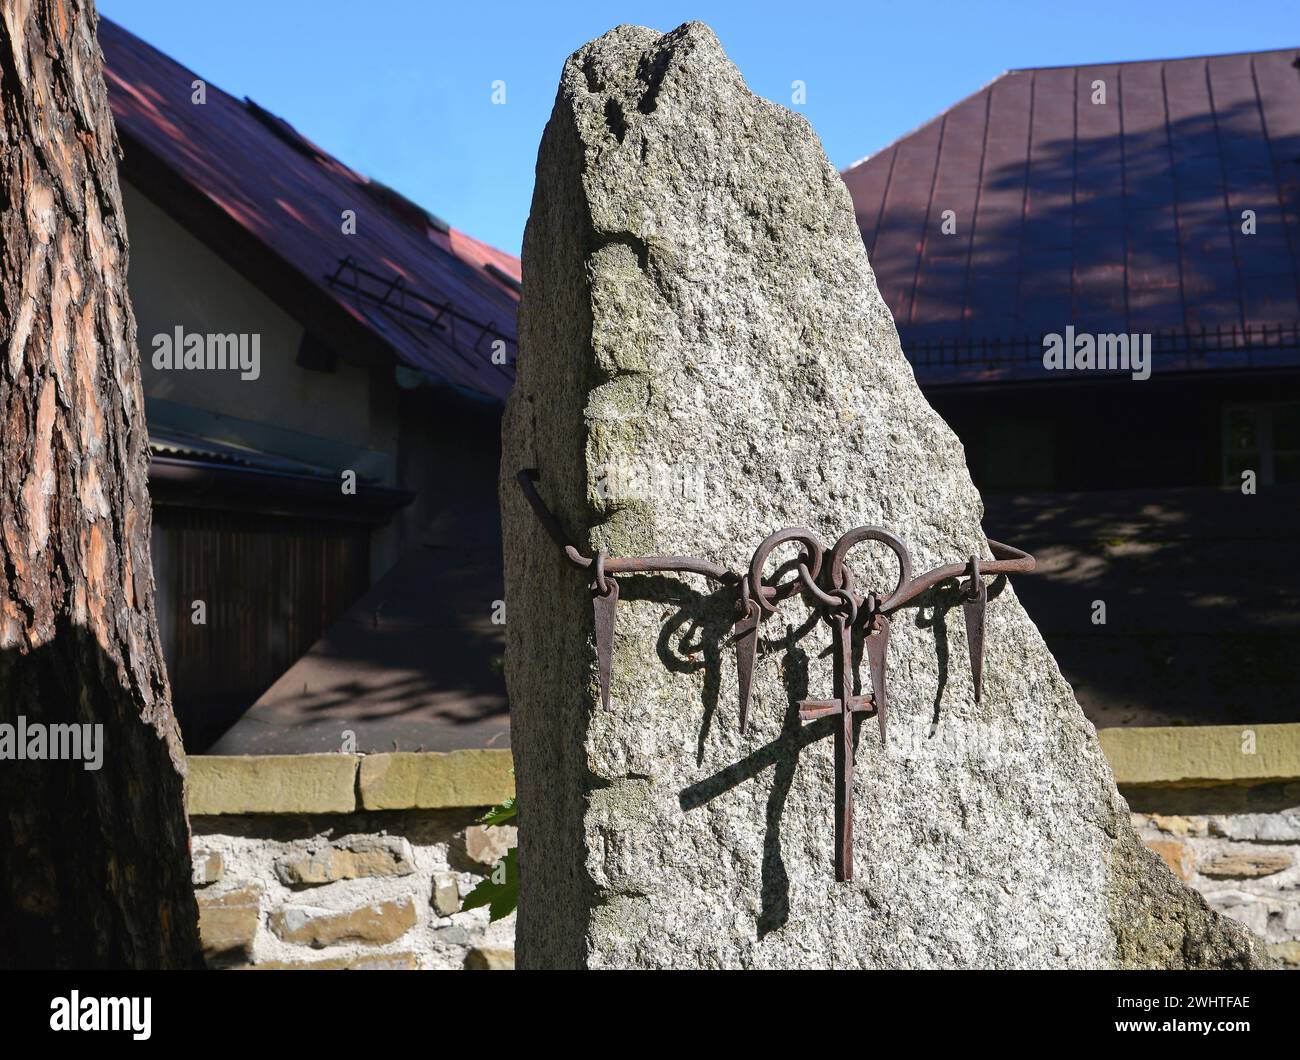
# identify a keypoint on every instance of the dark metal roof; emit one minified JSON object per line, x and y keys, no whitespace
{"x":1122,"y":217}
{"x":183,"y":446}
{"x":405,"y":281}
{"x":196,"y":472}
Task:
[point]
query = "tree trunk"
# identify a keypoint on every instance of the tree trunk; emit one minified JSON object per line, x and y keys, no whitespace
{"x":94,"y":862}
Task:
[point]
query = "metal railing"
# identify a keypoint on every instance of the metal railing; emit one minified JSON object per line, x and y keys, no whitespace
{"x":412,"y":310}
{"x":1177,"y":349}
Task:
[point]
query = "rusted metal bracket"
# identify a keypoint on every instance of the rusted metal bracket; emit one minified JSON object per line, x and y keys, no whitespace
{"x":825,"y":581}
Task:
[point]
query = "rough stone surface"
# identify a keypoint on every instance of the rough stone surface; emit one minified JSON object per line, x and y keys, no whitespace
{"x":208,"y":867}
{"x":488,"y":844}
{"x":350,"y":858}
{"x":446,"y":895}
{"x":1180,"y":825}
{"x":385,"y":962}
{"x":484,"y":959}
{"x":697,"y":302}
{"x":1178,"y":856}
{"x":228,"y":923}
{"x":1265,"y":827}
{"x":373,"y":924}
{"x":1247,"y":864}
{"x":1245,"y":908}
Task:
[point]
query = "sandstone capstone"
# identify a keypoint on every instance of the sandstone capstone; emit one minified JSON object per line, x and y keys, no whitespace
{"x":434,"y":780}
{"x":235,"y":784}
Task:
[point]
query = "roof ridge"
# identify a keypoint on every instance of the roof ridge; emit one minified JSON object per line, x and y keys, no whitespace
{"x":938,"y":117}
{"x":1032,"y":69}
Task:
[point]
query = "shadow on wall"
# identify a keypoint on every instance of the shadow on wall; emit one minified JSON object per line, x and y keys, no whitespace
{"x":1166,"y":607}
{"x":415,"y":664}
{"x":1148,"y":239}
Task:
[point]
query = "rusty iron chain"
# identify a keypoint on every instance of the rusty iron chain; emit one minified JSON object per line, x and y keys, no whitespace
{"x":824,"y":579}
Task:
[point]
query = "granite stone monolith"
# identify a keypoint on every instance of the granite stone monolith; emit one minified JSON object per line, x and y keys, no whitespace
{"x":705,"y":358}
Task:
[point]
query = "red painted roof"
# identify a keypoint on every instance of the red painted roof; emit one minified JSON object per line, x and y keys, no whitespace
{"x":289,"y":194}
{"x":1119,"y":217}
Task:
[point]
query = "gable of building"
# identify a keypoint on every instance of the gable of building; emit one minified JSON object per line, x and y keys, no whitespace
{"x":344,"y":255}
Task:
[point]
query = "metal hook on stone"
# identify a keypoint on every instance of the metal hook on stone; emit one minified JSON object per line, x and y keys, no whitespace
{"x":975,"y":598}
{"x":876,"y":646}
{"x":757,"y":601}
{"x":744,"y":635}
{"x":604,"y":606}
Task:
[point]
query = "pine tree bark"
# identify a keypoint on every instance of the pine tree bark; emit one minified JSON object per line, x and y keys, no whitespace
{"x":94,"y":863}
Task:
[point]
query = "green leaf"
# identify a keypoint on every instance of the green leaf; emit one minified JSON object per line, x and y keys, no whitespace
{"x":500,"y":891}
{"x":502,"y":813}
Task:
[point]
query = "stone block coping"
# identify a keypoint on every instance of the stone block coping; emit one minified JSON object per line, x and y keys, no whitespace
{"x":1203,"y":755}
{"x":347,"y":783}
{"x":1169,"y":756}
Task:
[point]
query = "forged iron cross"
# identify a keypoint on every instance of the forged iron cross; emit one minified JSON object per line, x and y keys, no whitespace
{"x":845,"y":705}
{"x":845,"y":603}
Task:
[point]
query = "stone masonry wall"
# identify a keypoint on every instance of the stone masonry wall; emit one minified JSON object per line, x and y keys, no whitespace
{"x":384,"y":890}
{"x":1220,"y":804}
{"x":338,"y":861}
{"x":352,"y":862}
{"x":353,"y":891}
{"x":1245,"y":863}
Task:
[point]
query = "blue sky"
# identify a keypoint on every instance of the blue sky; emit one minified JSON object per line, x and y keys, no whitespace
{"x":402,"y":89}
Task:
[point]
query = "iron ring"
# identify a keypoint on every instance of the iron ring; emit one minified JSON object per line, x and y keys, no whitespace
{"x":836,"y":569}
{"x":791,"y":533}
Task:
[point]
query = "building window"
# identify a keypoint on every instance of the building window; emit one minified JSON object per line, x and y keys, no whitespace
{"x":1264,"y":438}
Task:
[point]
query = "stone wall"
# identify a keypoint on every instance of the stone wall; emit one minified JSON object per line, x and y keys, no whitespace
{"x":352,"y":862}
{"x":1220,"y":804}
{"x":348,"y":862}
{"x":1245,"y":864}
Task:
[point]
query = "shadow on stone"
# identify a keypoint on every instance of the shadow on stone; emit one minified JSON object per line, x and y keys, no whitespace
{"x":695,"y":637}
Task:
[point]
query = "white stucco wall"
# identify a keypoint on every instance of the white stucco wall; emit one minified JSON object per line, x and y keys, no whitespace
{"x":176,"y":280}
